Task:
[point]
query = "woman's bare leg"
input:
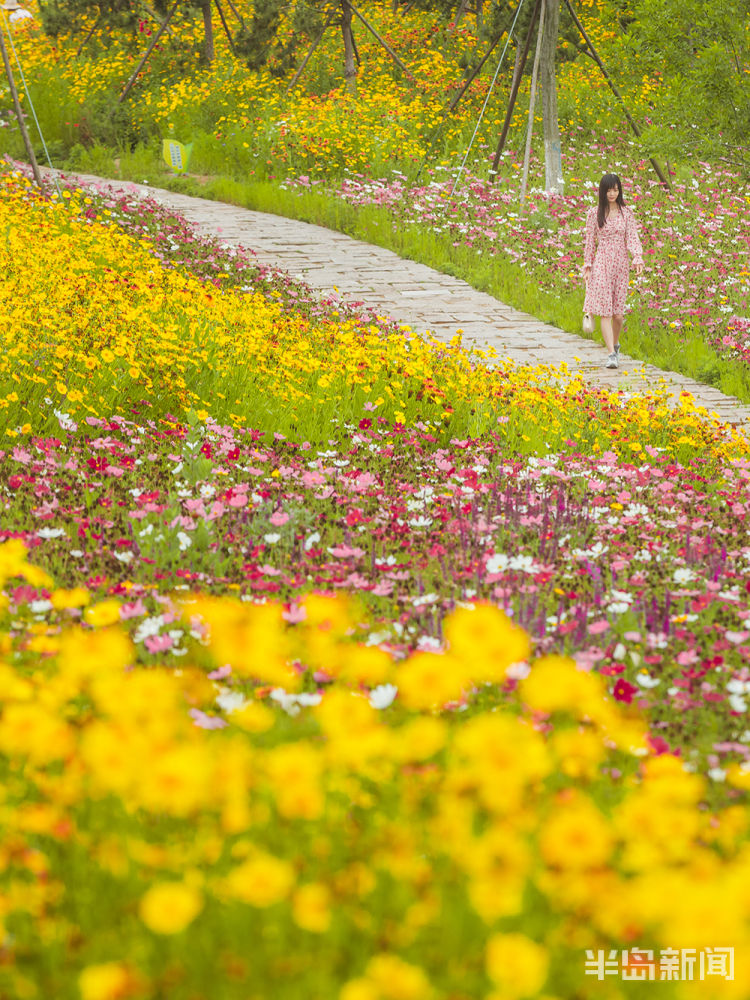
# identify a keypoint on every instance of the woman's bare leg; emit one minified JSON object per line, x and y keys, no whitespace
{"x":608,"y":334}
{"x":617,"y":322}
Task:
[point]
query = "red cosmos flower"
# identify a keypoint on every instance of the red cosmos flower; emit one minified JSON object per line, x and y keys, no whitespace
{"x":659,"y":745}
{"x":624,"y":691}
{"x":365,"y":424}
{"x":97,"y":464}
{"x":206,"y":449}
{"x":233,"y":455}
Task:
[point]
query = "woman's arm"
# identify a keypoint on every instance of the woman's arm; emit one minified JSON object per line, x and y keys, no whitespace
{"x":590,"y":242}
{"x":633,"y":240}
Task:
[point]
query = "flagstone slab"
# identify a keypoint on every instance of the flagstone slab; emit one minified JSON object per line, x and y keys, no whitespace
{"x":418,"y":296}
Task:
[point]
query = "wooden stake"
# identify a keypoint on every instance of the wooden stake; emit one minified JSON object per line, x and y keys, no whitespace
{"x":615,"y":91}
{"x":129,"y":85}
{"x":301,"y":68}
{"x":514,"y":92}
{"x":532,"y":102}
{"x":19,"y":112}
{"x":226,"y":27}
{"x":473,"y":75}
{"x":236,"y":13}
{"x":356,"y":50}
{"x":88,"y":36}
{"x":382,"y":41}
{"x":154,"y":16}
{"x":460,"y":13}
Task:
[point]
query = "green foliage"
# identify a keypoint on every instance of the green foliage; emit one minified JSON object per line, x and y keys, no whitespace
{"x":262,"y":43}
{"x":701,"y":54}
{"x":59,"y":16}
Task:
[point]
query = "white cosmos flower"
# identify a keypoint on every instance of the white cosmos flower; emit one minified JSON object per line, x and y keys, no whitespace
{"x":646,"y":680}
{"x":425,"y":599}
{"x":497,"y":563}
{"x":50,"y":532}
{"x":518,"y":671}
{"x":311,"y":540}
{"x":525,"y":564}
{"x":683,"y":575}
{"x":382,"y":695}
{"x":291,"y":702}
{"x":230,"y":701}
{"x":149,"y":626}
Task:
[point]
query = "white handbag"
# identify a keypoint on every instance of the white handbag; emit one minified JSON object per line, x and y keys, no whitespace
{"x":588,"y":320}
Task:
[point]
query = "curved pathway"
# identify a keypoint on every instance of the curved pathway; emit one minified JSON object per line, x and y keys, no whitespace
{"x":416,"y":295}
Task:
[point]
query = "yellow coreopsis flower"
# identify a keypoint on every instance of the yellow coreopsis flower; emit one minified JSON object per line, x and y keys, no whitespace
{"x":396,"y":979}
{"x":103,"y":613}
{"x":261,"y":881}
{"x":556,"y":684}
{"x":106,"y":981}
{"x":517,"y":965}
{"x":486,"y":641}
{"x":429,"y":680}
{"x":311,"y":907}
{"x":294,"y":771}
{"x":576,"y":836}
{"x":169,"y":907}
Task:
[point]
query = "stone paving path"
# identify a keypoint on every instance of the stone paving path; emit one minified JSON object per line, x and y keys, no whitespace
{"x":418,"y":296}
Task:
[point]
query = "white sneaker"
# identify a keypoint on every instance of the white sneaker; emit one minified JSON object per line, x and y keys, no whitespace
{"x":611,"y":361}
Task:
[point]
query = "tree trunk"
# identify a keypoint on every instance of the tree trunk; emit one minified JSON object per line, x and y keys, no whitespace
{"x":208,"y":30}
{"x":350,"y":66}
{"x":554,"y":181}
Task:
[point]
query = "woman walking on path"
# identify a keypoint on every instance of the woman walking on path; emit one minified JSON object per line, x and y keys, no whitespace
{"x":611,"y":233}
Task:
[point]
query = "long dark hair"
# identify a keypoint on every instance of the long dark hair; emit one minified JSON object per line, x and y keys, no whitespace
{"x":605,"y":184}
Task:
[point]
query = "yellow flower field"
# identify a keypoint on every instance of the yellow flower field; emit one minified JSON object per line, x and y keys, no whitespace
{"x":95,"y":325}
{"x":475,"y":855}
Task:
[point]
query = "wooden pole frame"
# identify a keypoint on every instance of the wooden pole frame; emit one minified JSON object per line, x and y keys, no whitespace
{"x":129,"y":85}
{"x":227,"y":32}
{"x":514,"y":91}
{"x":236,"y":13}
{"x":380,"y":39}
{"x":89,"y":35}
{"x":474,"y":73}
{"x":316,"y":42}
{"x":532,"y":103}
{"x":17,"y":107}
{"x":664,"y":180}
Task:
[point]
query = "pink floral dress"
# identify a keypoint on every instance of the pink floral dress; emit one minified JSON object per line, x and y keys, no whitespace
{"x":607,"y":286}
